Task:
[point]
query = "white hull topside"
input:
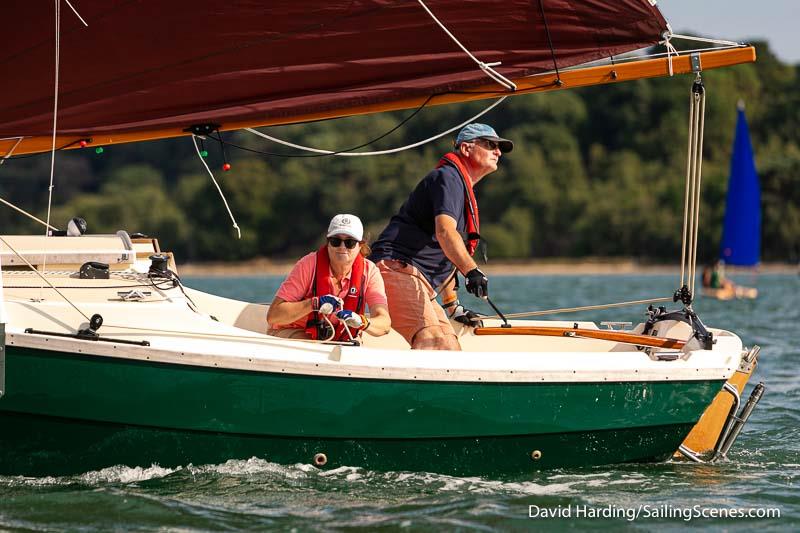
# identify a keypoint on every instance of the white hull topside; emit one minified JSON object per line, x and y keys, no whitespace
{"x":225,"y":333}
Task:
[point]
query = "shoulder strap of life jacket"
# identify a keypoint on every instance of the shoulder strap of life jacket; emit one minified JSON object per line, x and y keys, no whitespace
{"x":316,"y":326}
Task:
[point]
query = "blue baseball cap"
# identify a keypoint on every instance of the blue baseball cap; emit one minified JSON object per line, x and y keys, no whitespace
{"x":483,"y":131}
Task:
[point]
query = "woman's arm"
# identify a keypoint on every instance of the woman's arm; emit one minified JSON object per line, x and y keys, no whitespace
{"x":379,"y":320}
{"x":282,"y":312}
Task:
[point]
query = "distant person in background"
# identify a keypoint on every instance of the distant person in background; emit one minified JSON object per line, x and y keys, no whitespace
{"x":327,"y":291}
{"x":714,"y":277}
{"x":434,"y":234}
{"x":706,"y":279}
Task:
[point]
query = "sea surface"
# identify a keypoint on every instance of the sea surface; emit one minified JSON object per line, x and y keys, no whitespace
{"x":761,"y":477}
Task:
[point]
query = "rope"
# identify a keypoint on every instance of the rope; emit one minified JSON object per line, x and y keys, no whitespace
{"x":583,"y":308}
{"x":362,"y":145}
{"x":694,"y":167}
{"x":76,"y":13}
{"x":380,"y":152}
{"x":686,"y":190}
{"x":221,"y":194}
{"x":55,"y":124}
{"x":704,"y":40}
{"x":8,"y":154}
{"x":485,"y":67}
{"x":12,"y":206}
{"x":670,"y":51}
{"x":698,"y":182}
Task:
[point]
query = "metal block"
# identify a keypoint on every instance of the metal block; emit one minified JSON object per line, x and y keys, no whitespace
{"x":696,"y":66}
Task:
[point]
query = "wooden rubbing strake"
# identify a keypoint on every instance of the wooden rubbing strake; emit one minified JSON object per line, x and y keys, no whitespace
{"x":608,"y":335}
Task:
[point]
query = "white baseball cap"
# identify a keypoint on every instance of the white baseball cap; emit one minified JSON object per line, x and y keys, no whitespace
{"x":346,"y":225}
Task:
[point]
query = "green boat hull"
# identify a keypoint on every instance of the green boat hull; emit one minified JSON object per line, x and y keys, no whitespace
{"x":66,"y":413}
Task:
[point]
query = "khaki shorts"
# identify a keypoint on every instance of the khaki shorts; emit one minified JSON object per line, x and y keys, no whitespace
{"x":289,"y":333}
{"x":412,"y":304}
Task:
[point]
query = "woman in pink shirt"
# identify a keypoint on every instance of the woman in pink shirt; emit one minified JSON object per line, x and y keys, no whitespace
{"x":327,"y":291}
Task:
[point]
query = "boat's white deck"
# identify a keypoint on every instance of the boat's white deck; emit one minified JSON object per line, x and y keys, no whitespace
{"x":207,"y":330}
{"x":233,"y":339}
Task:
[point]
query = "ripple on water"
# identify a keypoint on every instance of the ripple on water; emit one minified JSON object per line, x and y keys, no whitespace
{"x":258,"y":494}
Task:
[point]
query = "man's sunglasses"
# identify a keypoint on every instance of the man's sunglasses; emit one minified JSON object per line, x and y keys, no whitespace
{"x":486,"y":143}
{"x":335,"y":242}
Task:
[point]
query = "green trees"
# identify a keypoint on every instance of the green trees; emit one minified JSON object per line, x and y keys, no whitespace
{"x":595,"y":172}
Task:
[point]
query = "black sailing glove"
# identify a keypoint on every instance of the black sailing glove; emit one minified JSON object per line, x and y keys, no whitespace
{"x":477,"y":283}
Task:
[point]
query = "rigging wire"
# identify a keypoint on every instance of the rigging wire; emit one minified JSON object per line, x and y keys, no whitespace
{"x":550,"y":43}
{"x":20,"y":210}
{"x":576,"y":309}
{"x":378,"y":152}
{"x":26,"y":156}
{"x":34,"y":269}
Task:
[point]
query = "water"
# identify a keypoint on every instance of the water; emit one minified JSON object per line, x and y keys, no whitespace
{"x":255,"y":494}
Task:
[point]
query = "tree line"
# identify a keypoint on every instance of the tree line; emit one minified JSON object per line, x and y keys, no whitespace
{"x":598,"y":171}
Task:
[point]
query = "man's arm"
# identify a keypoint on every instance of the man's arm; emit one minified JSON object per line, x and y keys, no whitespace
{"x":449,"y":293}
{"x":453,"y":244}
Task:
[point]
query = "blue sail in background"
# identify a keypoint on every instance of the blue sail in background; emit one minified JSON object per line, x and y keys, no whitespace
{"x":741,"y":230}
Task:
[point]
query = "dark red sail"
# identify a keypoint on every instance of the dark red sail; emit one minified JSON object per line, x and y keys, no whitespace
{"x":152,"y":64}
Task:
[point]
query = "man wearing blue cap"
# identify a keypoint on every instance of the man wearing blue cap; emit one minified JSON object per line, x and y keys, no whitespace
{"x":433,"y":236}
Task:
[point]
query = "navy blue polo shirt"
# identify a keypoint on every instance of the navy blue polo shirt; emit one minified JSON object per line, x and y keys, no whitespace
{"x":410,"y":235}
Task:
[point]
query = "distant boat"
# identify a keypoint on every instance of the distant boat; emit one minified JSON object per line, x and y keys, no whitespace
{"x":741,"y":229}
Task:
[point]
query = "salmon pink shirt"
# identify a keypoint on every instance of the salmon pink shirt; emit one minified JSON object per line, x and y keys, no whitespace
{"x":297,"y":287}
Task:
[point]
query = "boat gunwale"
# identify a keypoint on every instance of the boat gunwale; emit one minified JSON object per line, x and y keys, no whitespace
{"x":330,"y":364}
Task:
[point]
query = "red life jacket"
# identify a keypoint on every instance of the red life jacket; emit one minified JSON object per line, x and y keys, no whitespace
{"x":470,"y":204}
{"x":316,"y":326}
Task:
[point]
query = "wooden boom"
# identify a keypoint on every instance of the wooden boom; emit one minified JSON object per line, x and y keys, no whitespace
{"x":607,"y":335}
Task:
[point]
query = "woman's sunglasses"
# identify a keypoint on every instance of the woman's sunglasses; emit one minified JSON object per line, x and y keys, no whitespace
{"x":335,"y":242}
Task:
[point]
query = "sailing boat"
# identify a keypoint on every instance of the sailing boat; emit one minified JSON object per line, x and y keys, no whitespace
{"x":108,"y":358}
{"x":741,"y":229}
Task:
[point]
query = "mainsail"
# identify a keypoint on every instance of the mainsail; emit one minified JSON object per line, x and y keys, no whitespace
{"x":146,"y":69}
{"x":741,"y":231}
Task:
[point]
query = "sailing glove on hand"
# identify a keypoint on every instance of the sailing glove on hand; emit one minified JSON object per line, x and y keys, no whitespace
{"x":477,"y":283}
{"x":329,"y":304}
{"x":352,"y":319}
{"x":461,"y":314}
